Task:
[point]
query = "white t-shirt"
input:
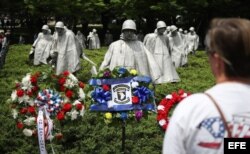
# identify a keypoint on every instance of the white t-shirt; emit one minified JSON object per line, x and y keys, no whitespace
{"x":196,"y":126}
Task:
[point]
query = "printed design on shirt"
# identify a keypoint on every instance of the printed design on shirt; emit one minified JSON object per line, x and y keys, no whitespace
{"x":215,"y":128}
{"x":239,"y":126}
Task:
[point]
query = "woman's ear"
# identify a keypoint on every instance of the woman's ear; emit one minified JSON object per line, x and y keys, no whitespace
{"x":219,"y":61}
{"x":219,"y":67}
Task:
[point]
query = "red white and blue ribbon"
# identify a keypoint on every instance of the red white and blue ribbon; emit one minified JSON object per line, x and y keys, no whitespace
{"x":41,"y":132}
{"x":49,"y":103}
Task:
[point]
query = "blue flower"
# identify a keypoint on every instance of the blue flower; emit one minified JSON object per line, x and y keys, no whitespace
{"x":124,"y":115}
{"x":122,"y":70}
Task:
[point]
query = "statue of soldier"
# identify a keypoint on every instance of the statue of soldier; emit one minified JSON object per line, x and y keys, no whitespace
{"x":158,"y":45}
{"x":130,"y":53}
{"x":65,"y":49}
{"x":42,"y":46}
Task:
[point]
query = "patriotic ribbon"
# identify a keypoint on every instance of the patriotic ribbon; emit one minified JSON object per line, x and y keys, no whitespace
{"x":101,"y":96}
{"x":41,"y":132}
{"x":143,"y":93}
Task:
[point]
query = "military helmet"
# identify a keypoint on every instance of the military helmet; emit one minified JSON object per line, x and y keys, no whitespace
{"x":161,"y":24}
{"x":45,"y":27}
{"x":173,"y":28}
{"x":191,"y":28}
{"x":59,"y":24}
{"x":129,"y":24}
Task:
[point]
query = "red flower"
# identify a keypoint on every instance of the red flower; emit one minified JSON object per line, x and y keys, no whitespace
{"x":31,"y":110}
{"x":69,"y":93}
{"x":164,"y":101}
{"x":79,"y":106}
{"x":164,"y":127}
{"x":67,"y":107}
{"x":66,"y":73}
{"x":160,"y":117}
{"x":175,"y":96}
{"x":20,"y":93}
{"x":105,"y":87}
{"x":135,"y":100}
{"x":162,"y":112}
{"x":60,"y":115}
{"x":62,"y":81}
{"x":33,"y":79}
{"x":23,"y":110}
{"x":59,"y":136}
{"x":19,"y":125}
{"x":181,"y":92}
{"x":35,"y":89}
{"x":168,"y":105}
{"x":62,"y":88}
{"x":17,"y":85}
{"x":81,"y":84}
{"x":29,"y":93}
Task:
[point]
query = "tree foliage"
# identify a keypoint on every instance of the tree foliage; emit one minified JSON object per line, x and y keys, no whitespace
{"x":196,"y":13}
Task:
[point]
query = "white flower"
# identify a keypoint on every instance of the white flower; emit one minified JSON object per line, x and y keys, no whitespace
{"x":31,"y":102}
{"x":13,"y":96}
{"x":83,"y":108}
{"x":27,"y":132}
{"x":66,"y":99}
{"x":26,"y":83}
{"x":25,"y":98}
{"x":184,"y":95}
{"x":50,"y":137}
{"x":82,"y":111}
{"x":29,"y":121}
{"x":74,"y":114}
{"x":169,"y":97}
{"x":160,"y":107}
{"x":162,"y":122}
{"x":81,"y":94}
{"x":134,"y":84}
{"x":73,"y":78}
{"x":14,"y":113}
{"x":69,"y":84}
{"x":76,"y":102}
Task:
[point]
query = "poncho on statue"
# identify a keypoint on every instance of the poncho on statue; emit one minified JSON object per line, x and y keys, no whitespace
{"x":68,"y":49}
{"x":42,"y":47}
{"x":192,"y":41}
{"x":81,"y":38}
{"x":93,"y":39}
{"x":177,"y":48}
{"x":158,"y":45}
{"x":131,"y":54}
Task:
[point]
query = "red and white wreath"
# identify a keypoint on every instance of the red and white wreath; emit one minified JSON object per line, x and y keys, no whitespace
{"x":64,"y":102}
{"x":166,"y":104}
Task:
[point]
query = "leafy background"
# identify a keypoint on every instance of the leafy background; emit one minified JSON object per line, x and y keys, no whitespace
{"x":92,"y":135}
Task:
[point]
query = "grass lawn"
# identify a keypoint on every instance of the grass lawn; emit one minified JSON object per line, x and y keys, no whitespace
{"x":92,"y":135}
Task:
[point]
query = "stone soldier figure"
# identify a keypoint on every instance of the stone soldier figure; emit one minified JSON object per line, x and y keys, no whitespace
{"x":130,"y":53}
{"x":158,"y":45}
{"x":42,"y":46}
{"x":65,"y":49}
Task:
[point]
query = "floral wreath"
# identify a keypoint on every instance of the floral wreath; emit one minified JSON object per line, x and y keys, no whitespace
{"x":142,"y":97}
{"x":64,"y":102}
{"x":166,"y":104}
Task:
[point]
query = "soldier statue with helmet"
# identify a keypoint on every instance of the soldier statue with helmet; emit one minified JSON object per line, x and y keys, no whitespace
{"x":130,"y":53}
